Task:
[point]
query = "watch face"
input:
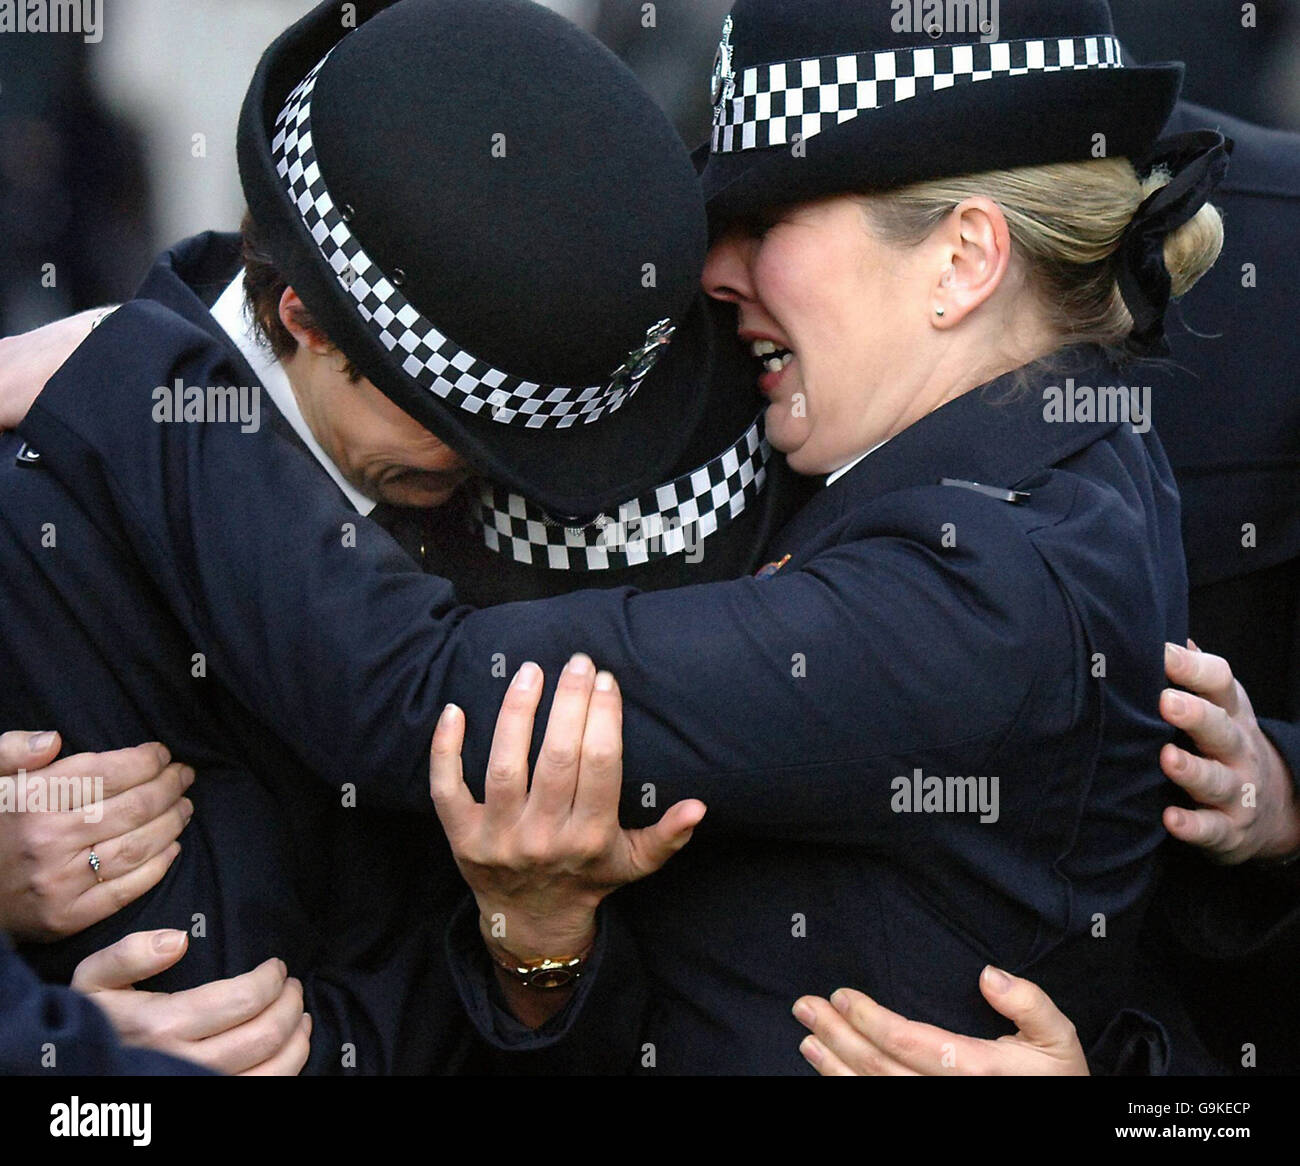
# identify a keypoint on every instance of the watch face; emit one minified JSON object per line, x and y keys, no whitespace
{"x":550,"y":978}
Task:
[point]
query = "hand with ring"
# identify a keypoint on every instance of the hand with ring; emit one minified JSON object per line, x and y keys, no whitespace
{"x":82,"y":837}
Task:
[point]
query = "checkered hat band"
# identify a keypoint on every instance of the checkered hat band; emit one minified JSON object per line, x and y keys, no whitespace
{"x":667,"y":520}
{"x":768,"y":104}
{"x":426,"y":355}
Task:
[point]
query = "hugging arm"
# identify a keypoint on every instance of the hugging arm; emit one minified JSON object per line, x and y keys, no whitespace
{"x":288,"y":599}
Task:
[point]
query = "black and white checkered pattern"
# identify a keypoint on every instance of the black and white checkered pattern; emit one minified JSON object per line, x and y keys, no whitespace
{"x":769,"y":104}
{"x":667,"y":520}
{"x":433,"y":361}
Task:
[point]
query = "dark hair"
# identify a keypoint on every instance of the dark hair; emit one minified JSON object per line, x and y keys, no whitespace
{"x":264,"y":287}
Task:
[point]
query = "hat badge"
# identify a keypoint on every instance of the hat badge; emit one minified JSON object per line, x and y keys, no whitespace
{"x":642,"y":359}
{"x":724,"y":72}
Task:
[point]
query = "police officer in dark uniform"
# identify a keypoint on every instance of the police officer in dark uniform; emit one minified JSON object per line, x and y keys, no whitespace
{"x":559,"y":271}
{"x":862,"y":587}
{"x":1225,"y":935}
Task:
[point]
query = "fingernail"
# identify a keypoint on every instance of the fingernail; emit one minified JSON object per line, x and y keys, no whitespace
{"x":306,"y":1023}
{"x":840,"y":1001}
{"x":580,"y":664}
{"x":997,"y":979}
{"x":167,"y":942}
{"x":187,"y":777}
{"x":187,"y":808}
{"x":1177,"y":703}
{"x":284,"y":968}
{"x":812,"y":1050}
{"x":39,"y":742}
{"x":604,"y":682}
{"x":1173,"y":653}
{"x":448,"y":715}
{"x":527,"y":676}
{"x":804,"y":1014}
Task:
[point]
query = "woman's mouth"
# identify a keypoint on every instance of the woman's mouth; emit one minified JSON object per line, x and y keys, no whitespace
{"x":774,"y":360}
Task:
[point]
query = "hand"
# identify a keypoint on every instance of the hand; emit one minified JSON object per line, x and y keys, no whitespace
{"x":126,"y":806}
{"x":1246,"y":805}
{"x":252,"y":1025}
{"x":853,"y":1036}
{"x":29,"y":360}
{"x":545,"y":857}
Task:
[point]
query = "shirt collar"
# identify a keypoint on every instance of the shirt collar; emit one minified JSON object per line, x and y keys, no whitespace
{"x":231,"y":313}
{"x":838,"y":474}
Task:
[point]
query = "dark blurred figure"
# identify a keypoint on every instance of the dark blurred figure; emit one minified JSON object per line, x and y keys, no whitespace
{"x":73,"y":188}
{"x":1247,"y":72}
{"x":673,"y":56}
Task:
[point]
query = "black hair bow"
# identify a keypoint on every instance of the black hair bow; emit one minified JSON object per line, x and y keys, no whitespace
{"x":1198,"y":162}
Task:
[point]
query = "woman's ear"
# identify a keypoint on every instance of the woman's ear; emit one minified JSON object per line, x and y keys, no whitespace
{"x":975,"y":257}
{"x":295,"y":317}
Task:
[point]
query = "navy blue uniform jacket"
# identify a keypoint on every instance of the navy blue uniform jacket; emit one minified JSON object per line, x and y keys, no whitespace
{"x":90,"y":644}
{"x":915,"y":626}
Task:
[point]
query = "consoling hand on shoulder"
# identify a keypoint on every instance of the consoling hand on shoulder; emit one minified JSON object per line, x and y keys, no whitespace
{"x":29,"y":360}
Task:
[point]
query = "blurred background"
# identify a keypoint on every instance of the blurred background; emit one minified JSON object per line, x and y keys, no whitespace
{"x":111,"y":151}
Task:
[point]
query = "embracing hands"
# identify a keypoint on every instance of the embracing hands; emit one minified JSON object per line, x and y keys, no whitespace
{"x":29,"y":360}
{"x":540,"y":858}
{"x":250,"y":1025}
{"x":48,"y":887}
{"x":853,"y":1036}
{"x":1246,"y":805}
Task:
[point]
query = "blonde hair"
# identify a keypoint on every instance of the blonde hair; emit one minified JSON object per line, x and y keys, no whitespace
{"x":1066,"y":222}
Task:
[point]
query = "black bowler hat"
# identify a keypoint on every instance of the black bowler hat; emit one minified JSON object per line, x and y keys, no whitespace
{"x":879,"y":99}
{"x":485,"y":211}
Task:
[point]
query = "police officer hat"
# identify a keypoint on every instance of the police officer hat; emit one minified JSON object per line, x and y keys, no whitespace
{"x":488,"y":215}
{"x":880,"y":98}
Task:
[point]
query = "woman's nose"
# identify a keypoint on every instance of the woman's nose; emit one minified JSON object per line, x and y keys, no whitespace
{"x":726,"y":272}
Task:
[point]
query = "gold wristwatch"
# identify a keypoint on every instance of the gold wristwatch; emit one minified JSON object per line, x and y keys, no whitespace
{"x":545,"y":974}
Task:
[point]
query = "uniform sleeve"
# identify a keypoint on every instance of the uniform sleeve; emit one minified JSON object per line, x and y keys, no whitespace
{"x":788,"y":705}
{"x":597,"y":1033}
{"x":49,"y":1030}
{"x":1285,"y":735}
